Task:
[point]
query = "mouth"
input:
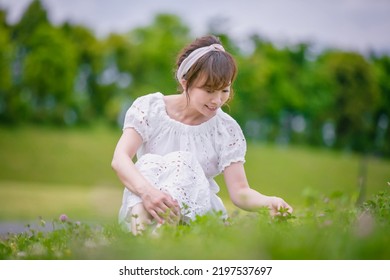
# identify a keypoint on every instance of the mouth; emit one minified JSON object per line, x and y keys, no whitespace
{"x":211,"y":108}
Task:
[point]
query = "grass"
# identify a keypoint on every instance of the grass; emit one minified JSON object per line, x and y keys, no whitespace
{"x":296,"y":172}
{"x":58,"y":156}
{"x":336,"y":234}
{"x":27,"y":201}
{"x":45,"y":172}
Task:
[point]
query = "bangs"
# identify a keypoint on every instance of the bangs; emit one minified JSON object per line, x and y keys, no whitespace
{"x":216,"y":70}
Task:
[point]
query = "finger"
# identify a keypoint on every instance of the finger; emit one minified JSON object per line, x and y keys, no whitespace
{"x":288,"y":207}
{"x":155,"y":216}
{"x":168,"y":216}
{"x":274,"y":212}
{"x":170,"y":201}
{"x":171,"y":218}
{"x":166,"y":211}
{"x":174,"y":215}
{"x":284,"y":209}
{"x":173,"y":205}
{"x":176,"y":203}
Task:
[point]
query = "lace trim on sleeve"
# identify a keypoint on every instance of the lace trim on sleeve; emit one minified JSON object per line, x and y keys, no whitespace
{"x":233,"y":146}
{"x":138,"y":116}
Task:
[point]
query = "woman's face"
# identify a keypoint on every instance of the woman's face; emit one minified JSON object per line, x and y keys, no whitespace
{"x":206,"y":100}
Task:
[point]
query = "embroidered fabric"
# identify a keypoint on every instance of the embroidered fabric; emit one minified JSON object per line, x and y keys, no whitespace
{"x":178,"y":174}
{"x":204,"y":151}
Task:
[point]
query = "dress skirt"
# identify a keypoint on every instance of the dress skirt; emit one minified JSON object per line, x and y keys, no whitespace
{"x":180,"y":175}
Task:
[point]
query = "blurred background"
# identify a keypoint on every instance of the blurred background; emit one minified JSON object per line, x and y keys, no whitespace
{"x":312,"y":94}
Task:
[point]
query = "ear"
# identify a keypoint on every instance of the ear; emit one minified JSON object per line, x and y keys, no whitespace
{"x":183,"y":83}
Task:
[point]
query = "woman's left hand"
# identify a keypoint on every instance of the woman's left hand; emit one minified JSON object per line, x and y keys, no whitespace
{"x":278,"y":206}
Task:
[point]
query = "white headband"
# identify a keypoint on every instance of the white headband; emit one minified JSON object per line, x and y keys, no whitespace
{"x":193,"y":57}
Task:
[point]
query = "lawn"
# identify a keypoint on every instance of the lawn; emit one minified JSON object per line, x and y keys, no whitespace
{"x":46,"y":172}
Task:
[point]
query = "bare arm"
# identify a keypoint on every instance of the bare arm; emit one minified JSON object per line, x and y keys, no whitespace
{"x":246,"y":198}
{"x":154,"y":201}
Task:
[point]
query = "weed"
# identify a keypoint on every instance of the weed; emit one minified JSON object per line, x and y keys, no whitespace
{"x":378,"y":206}
{"x":333,"y":232}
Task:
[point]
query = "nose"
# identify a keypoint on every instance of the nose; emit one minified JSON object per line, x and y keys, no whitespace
{"x":217,"y":98}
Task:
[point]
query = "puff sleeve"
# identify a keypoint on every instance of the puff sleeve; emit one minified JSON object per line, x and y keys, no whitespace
{"x":139,"y":115}
{"x":232,"y":144}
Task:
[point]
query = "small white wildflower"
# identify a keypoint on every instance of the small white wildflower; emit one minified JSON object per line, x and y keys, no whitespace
{"x":38,"y":249}
{"x":89,"y":243}
{"x":21,"y":254}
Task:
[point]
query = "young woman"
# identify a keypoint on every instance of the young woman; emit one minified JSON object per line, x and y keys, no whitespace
{"x":182,"y":142}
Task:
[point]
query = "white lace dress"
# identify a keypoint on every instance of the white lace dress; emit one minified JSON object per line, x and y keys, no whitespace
{"x":181,"y":159}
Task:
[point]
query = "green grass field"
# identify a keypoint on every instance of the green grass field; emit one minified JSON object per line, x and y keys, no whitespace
{"x":46,"y":172}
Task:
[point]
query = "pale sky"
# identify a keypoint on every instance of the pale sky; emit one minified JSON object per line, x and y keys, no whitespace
{"x":358,"y":25}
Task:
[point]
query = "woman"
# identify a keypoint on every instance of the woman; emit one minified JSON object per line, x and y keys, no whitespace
{"x":182,"y":142}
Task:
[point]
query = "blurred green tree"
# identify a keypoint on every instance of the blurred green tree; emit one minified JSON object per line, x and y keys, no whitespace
{"x":7,"y":98}
{"x":382,"y":117}
{"x":33,"y":17}
{"x":142,"y":61}
{"x":48,"y":74}
{"x":117,"y":80}
{"x":89,"y":99}
{"x":287,"y":94}
{"x":152,"y":54}
{"x":354,"y":94}
{"x":272,"y":87}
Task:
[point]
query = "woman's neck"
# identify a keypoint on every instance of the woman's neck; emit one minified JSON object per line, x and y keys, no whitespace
{"x":179,"y":108}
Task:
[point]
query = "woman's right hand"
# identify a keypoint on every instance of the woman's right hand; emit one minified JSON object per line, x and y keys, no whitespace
{"x":160,"y":205}
{"x":155,"y":202}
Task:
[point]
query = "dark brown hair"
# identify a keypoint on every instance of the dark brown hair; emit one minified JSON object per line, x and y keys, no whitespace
{"x":217,"y":68}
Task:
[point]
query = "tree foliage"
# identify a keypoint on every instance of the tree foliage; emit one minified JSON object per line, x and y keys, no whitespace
{"x":65,"y":75}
